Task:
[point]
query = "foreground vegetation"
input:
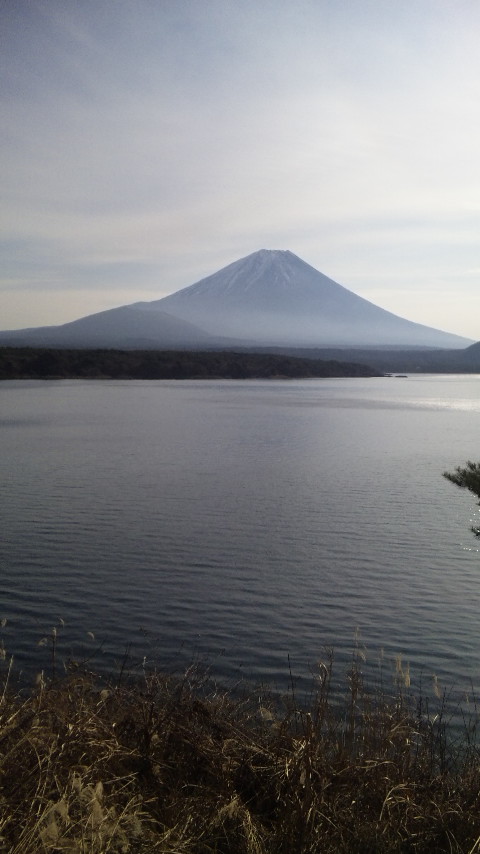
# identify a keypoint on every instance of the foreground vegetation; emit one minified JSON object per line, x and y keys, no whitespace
{"x":467,"y":477}
{"x":32,"y":363}
{"x":176,"y":765}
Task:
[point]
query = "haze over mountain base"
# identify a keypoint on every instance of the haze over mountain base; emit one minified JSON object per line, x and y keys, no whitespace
{"x":269,"y":298}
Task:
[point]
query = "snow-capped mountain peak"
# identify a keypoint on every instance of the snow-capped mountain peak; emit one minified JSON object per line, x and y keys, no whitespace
{"x":274,"y":297}
{"x":270,"y":297}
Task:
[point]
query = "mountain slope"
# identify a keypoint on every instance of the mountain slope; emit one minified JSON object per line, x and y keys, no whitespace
{"x":273,"y":297}
{"x":269,"y":298}
{"x":130,"y":327}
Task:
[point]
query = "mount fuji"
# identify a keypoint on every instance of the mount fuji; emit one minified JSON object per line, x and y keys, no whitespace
{"x":274,"y":298}
{"x":269,"y":298}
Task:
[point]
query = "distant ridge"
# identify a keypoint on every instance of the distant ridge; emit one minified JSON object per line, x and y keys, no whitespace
{"x":128,"y":327}
{"x":268,"y":298}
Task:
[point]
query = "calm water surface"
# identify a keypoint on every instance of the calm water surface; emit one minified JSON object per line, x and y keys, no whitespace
{"x":250,"y":522}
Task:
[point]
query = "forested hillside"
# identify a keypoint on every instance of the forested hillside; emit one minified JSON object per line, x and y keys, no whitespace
{"x":32,"y":363}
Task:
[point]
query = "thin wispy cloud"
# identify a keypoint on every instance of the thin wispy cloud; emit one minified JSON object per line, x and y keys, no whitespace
{"x":146,"y":145}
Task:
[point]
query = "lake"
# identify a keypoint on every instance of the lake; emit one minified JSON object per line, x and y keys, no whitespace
{"x":250,"y":524}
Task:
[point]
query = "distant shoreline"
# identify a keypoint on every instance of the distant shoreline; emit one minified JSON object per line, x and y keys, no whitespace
{"x":49,"y":363}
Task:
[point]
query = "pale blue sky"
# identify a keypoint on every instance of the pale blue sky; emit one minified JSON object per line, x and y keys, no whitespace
{"x":147,"y":143}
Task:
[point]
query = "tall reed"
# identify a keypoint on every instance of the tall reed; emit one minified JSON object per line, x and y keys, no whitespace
{"x":154,"y":763}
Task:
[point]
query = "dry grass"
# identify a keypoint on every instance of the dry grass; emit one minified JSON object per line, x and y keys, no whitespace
{"x":168,"y":765}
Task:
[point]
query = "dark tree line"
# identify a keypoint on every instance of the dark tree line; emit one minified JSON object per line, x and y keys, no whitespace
{"x":33,"y":363}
